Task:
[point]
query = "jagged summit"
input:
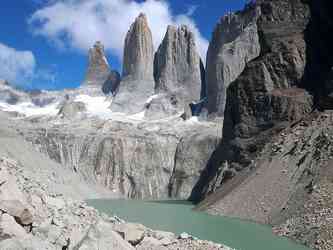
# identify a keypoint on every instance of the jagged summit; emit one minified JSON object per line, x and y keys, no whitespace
{"x":98,"y":66}
{"x":177,"y":70}
{"x":139,"y":51}
{"x":137,"y":83}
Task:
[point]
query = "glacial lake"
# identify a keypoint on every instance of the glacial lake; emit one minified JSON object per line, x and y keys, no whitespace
{"x":178,"y":217}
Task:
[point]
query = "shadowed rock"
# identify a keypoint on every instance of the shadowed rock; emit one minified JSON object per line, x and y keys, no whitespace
{"x":112,"y":83}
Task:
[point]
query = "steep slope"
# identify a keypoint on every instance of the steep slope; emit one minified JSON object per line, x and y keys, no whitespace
{"x":272,"y":165}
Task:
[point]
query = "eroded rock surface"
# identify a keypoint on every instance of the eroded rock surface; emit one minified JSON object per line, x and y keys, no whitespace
{"x":98,"y":67}
{"x":177,"y":66}
{"x":235,"y":42}
{"x":137,"y":83}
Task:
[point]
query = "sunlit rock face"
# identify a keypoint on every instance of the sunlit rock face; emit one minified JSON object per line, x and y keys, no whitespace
{"x":177,"y":68}
{"x":98,"y":67}
{"x":235,"y":42}
{"x":137,"y":83}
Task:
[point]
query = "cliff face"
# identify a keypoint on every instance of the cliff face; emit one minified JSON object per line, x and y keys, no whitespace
{"x":271,"y":165}
{"x":132,"y":160}
{"x":177,"y":66}
{"x":98,"y":66}
{"x":137,"y":83}
{"x":235,"y":42}
{"x":266,"y":95}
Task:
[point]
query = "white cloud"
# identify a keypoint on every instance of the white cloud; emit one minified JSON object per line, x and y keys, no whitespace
{"x":16,"y":66}
{"x":20,"y":68}
{"x":79,"y":23}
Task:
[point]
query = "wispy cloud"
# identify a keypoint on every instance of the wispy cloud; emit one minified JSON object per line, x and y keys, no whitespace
{"x":20,"y":68}
{"x":17,"y":67}
{"x":79,"y":23}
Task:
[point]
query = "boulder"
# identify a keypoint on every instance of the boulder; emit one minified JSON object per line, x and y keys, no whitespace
{"x":131,"y":232}
{"x":9,"y":228}
{"x":16,"y":209}
{"x":102,"y":237}
{"x":70,"y":110}
{"x":98,"y":67}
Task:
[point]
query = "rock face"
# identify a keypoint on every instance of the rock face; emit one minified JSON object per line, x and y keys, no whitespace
{"x":112,"y":83}
{"x":98,"y":67}
{"x":142,"y":161}
{"x":177,"y":66}
{"x":266,"y":95}
{"x":235,"y":42}
{"x":138,"y":69}
{"x":70,"y":110}
{"x":318,"y":73}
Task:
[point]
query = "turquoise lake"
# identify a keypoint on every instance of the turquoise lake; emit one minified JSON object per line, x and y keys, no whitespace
{"x":178,"y":217}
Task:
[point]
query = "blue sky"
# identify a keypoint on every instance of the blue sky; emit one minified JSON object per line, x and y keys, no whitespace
{"x":44,"y":43}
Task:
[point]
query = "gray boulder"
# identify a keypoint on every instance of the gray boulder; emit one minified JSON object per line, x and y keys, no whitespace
{"x":16,"y":209}
{"x":137,"y":83}
{"x":70,"y":110}
{"x":98,"y":67}
{"x":235,"y":42}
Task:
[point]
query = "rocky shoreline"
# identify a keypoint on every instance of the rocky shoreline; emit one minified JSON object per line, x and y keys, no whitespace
{"x":33,"y":218}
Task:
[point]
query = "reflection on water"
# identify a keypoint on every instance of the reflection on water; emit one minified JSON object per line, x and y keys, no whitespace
{"x":178,"y":217}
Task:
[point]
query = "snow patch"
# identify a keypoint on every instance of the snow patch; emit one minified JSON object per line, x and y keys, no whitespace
{"x":149,"y":100}
{"x":96,"y":105}
{"x":30,"y":109}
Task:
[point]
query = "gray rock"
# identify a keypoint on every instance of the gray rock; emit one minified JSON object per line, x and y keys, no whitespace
{"x":139,"y":51}
{"x":266,"y":97}
{"x":102,"y":237}
{"x":164,"y":105}
{"x":106,"y":152}
{"x":137,"y":83}
{"x":98,"y":67}
{"x":133,"y":233}
{"x":9,"y":228}
{"x":112,"y":83}
{"x":70,"y":110}
{"x":16,"y":209}
{"x":235,"y":42}
{"x":177,"y":66}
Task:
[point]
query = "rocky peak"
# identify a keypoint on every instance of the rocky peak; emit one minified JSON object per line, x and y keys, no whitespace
{"x":235,"y":42}
{"x":137,"y":83}
{"x":98,"y":66}
{"x":177,"y":64}
{"x":139,"y":51}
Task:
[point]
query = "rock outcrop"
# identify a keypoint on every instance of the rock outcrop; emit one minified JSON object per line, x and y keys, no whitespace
{"x":266,"y":97}
{"x":177,"y":67}
{"x":98,"y":67}
{"x":112,"y":83}
{"x":319,"y":69}
{"x":235,"y":42}
{"x":137,"y":83}
{"x":143,"y":160}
